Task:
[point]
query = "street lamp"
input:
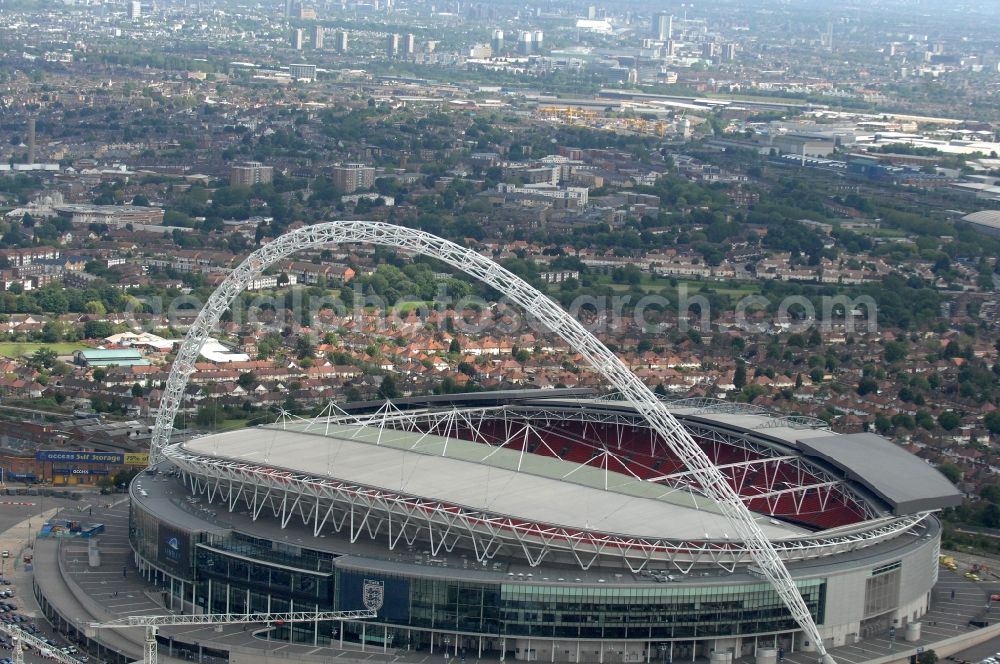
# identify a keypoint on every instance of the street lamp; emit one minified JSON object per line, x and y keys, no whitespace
{"x":662,"y":647}
{"x":447,"y":642}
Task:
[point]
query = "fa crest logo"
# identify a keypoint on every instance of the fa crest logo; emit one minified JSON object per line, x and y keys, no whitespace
{"x":373,"y":594}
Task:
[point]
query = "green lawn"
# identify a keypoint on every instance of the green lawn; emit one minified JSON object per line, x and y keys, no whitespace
{"x":723,"y":287}
{"x":19,"y":349}
{"x":655,"y":284}
{"x":407,"y":307}
{"x":231,"y":425}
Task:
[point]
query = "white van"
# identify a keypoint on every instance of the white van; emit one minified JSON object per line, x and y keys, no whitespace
{"x":46,"y":653}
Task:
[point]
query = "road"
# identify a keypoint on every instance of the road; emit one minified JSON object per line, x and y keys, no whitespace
{"x":20,"y":517}
{"x":980,"y":652}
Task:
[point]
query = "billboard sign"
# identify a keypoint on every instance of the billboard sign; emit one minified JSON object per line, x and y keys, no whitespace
{"x":389,"y":596}
{"x":175,"y":548}
{"x":80,"y":457}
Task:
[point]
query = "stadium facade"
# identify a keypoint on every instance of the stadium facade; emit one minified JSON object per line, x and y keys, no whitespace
{"x":542,"y":525}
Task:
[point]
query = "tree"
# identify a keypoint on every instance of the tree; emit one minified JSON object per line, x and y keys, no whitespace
{"x":137,"y":390}
{"x":990,"y":493}
{"x":43,"y":358}
{"x":992,"y":421}
{"x":740,"y":375}
{"x":927,"y":657}
{"x":895,"y":351}
{"x":97,"y":329}
{"x":388,"y":389}
{"x":247,"y":380}
{"x":867,"y":385}
{"x":209,"y":415}
{"x":948,"y":420}
{"x":95,"y":307}
{"x":454,"y":346}
{"x":304,"y":347}
{"x":52,"y":332}
{"x":924,"y":420}
{"x":952,"y":472}
{"x":902,"y":421}
{"x":100,"y":374}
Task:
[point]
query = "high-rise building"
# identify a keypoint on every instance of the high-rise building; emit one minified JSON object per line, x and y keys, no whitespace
{"x":409,"y":44}
{"x":481,"y":52}
{"x":340,"y":41}
{"x":134,"y":9}
{"x":524,"y":42}
{"x":31,"y":140}
{"x":317,"y":36}
{"x":538,"y":39}
{"x":302,"y":72}
{"x":663,"y":26}
{"x":288,"y":8}
{"x":250,"y":173}
{"x":728,"y":52}
{"x":392,"y":45}
{"x":348,"y":178}
{"x":298,"y":38}
{"x":591,"y":12}
{"x":497,"y":42}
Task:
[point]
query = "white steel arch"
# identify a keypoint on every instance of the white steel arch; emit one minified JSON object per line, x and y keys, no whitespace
{"x":537,"y":304}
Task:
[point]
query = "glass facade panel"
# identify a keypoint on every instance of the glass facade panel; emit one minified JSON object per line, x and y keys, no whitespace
{"x":548,"y":611}
{"x":242,"y":573}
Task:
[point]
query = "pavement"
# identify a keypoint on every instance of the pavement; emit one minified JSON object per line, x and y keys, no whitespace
{"x":20,"y":518}
{"x":115,"y":589}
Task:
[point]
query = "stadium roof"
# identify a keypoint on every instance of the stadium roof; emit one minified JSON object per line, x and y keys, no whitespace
{"x":907,"y":483}
{"x":988,"y":218}
{"x":503,"y":481}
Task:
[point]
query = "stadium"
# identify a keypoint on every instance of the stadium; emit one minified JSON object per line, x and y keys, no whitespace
{"x":549,"y":526}
{"x":542,"y":525}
